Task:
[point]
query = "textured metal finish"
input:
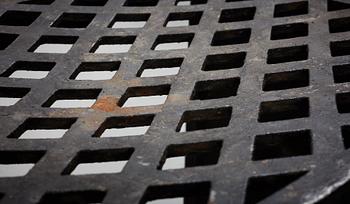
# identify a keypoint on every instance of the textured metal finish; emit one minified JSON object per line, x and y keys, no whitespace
{"x":263,"y":89}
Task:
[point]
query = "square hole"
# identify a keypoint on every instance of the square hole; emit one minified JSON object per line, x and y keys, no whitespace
{"x":287,"y":54}
{"x":96,"y":71}
{"x":87,"y":196}
{"x":103,"y":161}
{"x":141,"y":3}
{"x":343,"y":102}
{"x":124,"y":126}
{"x":144,"y":96}
{"x":6,"y":39}
{"x":74,"y":20}
{"x":89,"y":2}
{"x":111,"y":44}
{"x":10,"y":96}
{"x":18,"y":163}
{"x":261,"y":187}
{"x":281,"y":145}
{"x":53,"y":44}
{"x":197,"y":193}
{"x":338,"y":25}
{"x":284,"y":109}
{"x":160,"y":67}
{"x":204,"y":119}
{"x":183,"y":19}
{"x":189,"y":2}
{"x":190,"y":155}
{"x":340,"y":48}
{"x":29,"y":70}
{"x":72,"y":98}
{"x":335,"y":5}
{"x":224,"y":61}
{"x":37,"y":2}
{"x":341,"y":73}
{"x":345,"y":132}
{"x":214,"y":89}
{"x":231,"y":37}
{"x":286,"y":80}
{"x":237,"y":14}
{"x":287,"y":31}
{"x":43,"y":128}
{"x":172,"y":42}
{"x":130,"y":20}
{"x":18,"y":18}
{"x":291,"y":9}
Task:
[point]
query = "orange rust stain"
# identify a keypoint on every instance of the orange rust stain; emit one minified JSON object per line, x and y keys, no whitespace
{"x":109,"y":104}
{"x":106,"y":104}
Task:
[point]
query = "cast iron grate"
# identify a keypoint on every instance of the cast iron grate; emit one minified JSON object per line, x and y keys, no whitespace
{"x":250,"y":97}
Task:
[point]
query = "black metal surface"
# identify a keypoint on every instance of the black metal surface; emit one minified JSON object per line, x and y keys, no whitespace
{"x":280,"y":136}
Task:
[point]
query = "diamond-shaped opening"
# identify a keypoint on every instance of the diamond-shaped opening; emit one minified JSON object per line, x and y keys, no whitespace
{"x":87,"y":196}
{"x":197,"y":193}
{"x":287,"y":54}
{"x":7,"y":39}
{"x":74,"y":20}
{"x":96,"y":71}
{"x":204,"y":119}
{"x":144,"y":96}
{"x":18,"y":163}
{"x":72,"y":98}
{"x":183,"y":19}
{"x":130,"y":20}
{"x":29,"y":70}
{"x":190,"y":155}
{"x":283,"y":144}
{"x":214,"y":89}
{"x":237,"y":14}
{"x":18,"y":18}
{"x":287,"y":31}
{"x":53,"y":44}
{"x":160,"y":67}
{"x":103,"y":161}
{"x":113,"y":44}
{"x":286,"y":80}
{"x":173,"y":41}
{"x":125,"y":126}
{"x":43,"y":128}
{"x":10,"y":95}
{"x":231,"y":37}
{"x":284,"y":109}
{"x":291,"y":9}
{"x":224,"y":61}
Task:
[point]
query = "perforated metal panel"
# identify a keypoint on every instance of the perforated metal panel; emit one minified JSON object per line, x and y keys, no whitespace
{"x":257,"y":112}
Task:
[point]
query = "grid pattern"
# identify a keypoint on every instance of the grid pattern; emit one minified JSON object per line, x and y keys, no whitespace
{"x":262,"y":89}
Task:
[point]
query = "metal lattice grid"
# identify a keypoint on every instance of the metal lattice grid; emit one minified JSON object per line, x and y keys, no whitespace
{"x":258,"y":111}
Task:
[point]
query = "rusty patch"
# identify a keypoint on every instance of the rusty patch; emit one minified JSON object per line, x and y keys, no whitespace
{"x":106,"y":104}
{"x":109,"y":104}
